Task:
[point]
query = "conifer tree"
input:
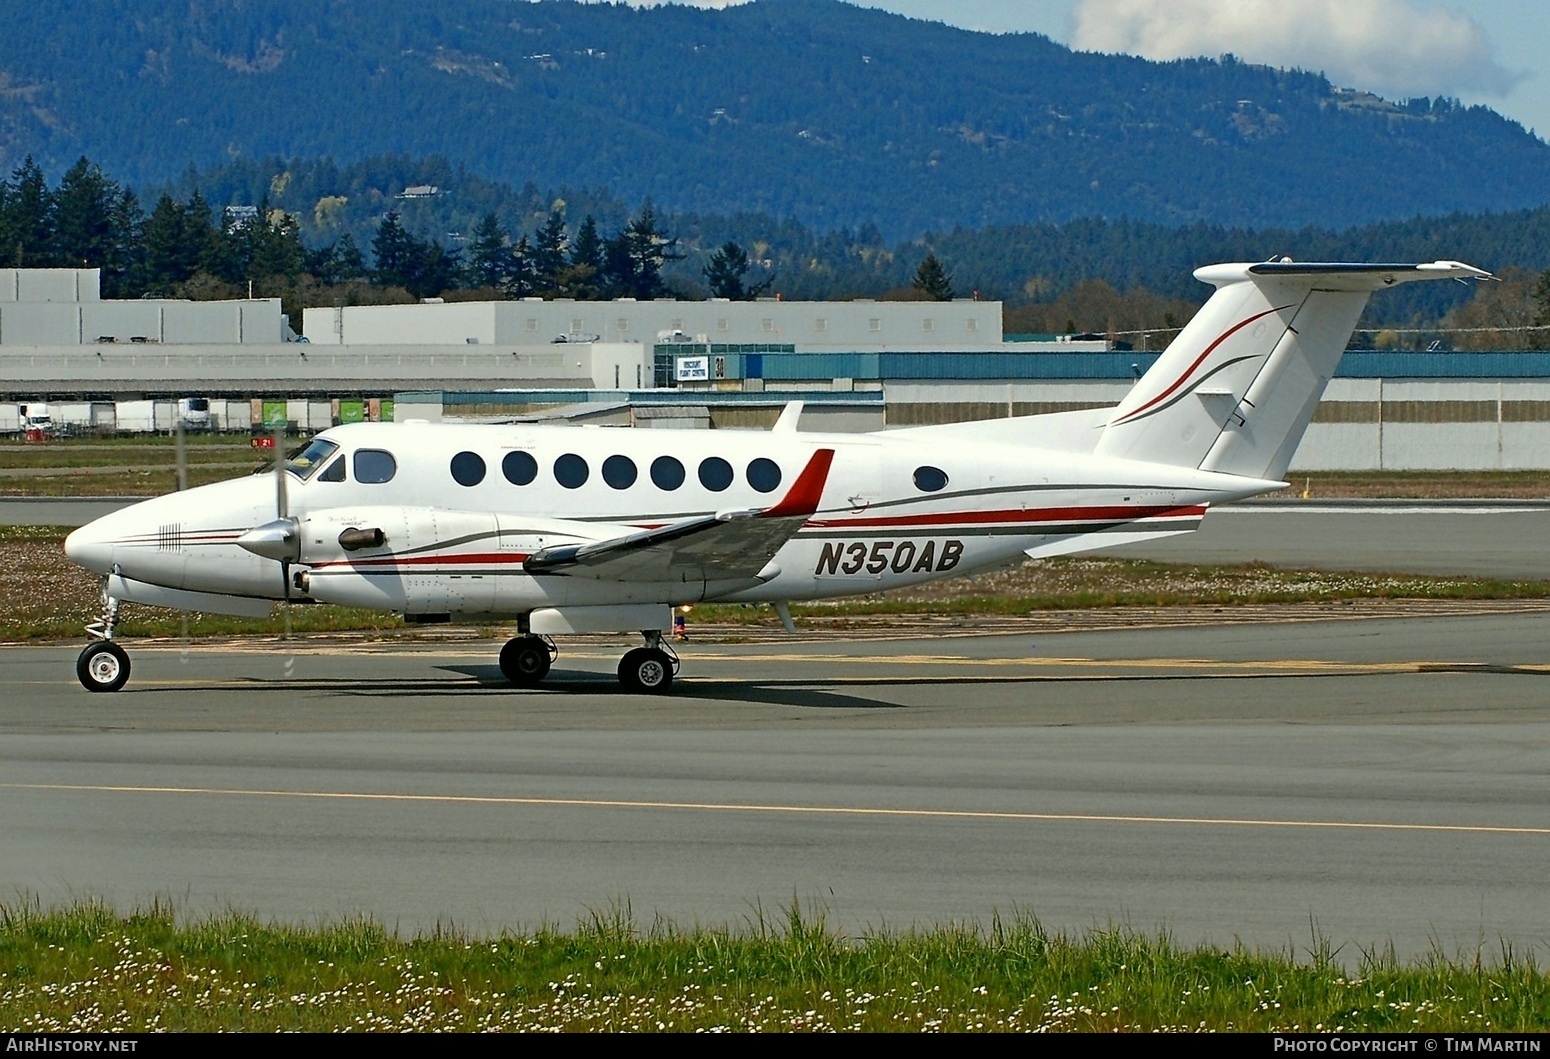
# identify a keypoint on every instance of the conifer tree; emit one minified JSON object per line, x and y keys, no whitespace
{"x":933,"y":279}
{"x":395,"y":252}
{"x":548,"y":254}
{"x":83,"y":216}
{"x":633,"y":259}
{"x":724,"y":272}
{"x":580,"y":279}
{"x":489,"y":253}
{"x":168,"y":258}
{"x":28,"y":224}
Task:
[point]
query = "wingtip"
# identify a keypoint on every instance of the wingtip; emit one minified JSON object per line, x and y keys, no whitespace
{"x":803,"y":496}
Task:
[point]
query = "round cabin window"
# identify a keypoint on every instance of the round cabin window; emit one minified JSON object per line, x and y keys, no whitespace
{"x":519,"y":468}
{"x":571,"y":471}
{"x":667,"y":473}
{"x":764,"y":475}
{"x":619,"y":472}
{"x":468,"y":468}
{"x":930,"y":479}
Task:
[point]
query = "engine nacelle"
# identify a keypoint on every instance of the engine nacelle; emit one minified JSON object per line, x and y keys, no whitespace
{"x":420,"y":560}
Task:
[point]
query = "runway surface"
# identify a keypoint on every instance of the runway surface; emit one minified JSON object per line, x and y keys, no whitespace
{"x":1367,"y":782}
{"x":1474,"y":538}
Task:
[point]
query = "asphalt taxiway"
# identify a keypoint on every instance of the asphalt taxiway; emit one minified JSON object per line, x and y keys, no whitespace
{"x":1372,"y":782}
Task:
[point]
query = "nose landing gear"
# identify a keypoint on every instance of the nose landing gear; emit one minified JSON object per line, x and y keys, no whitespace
{"x":104,"y":665}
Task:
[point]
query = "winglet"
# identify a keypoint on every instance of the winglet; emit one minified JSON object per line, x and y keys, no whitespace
{"x":807,"y":490}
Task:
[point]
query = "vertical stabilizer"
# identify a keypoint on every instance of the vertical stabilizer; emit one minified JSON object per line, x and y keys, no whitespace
{"x":1236,"y":390}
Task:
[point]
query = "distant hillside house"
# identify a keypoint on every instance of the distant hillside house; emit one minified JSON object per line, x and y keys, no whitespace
{"x":238,"y":216}
{"x":420,"y":191}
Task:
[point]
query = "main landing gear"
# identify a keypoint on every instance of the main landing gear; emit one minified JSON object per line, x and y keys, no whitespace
{"x":525,"y":660}
{"x":649,"y":669}
{"x":104,"y":665}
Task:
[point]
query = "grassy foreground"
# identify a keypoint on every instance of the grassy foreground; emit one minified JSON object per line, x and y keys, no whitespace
{"x":89,"y":969}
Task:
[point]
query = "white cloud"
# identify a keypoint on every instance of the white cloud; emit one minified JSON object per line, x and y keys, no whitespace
{"x":1396,"y":48}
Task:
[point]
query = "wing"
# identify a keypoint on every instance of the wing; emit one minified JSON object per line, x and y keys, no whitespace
{"x":726,"y":546}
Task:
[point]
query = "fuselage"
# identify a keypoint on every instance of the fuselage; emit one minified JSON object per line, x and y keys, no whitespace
{"x":460,"y":508}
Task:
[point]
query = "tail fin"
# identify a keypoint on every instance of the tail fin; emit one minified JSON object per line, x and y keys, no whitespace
{"x":1235,"y":391}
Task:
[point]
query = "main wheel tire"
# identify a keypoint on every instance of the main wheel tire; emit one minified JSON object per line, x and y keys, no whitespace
{"x":102,"y":666}
{"x":525,"y":660}
{"x":646,"y":669}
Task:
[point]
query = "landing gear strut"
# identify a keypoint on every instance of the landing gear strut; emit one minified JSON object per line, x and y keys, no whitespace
{"x":649,"y":669}
{"x":526,"y":659}
{"x":104,"y":665}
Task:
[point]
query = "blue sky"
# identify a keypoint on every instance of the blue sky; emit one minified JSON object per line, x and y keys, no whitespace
{"x":1480,"y":51}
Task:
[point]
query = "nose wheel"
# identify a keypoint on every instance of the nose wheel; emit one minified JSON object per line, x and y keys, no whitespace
{"x":102,"y":666}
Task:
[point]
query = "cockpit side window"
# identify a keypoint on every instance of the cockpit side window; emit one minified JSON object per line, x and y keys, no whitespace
{"x":334,"y":473}
{"x":306,"y":463}
{"x":374,"y":466}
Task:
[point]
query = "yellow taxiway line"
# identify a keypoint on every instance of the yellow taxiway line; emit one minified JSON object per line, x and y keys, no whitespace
{"x":815,"y":810}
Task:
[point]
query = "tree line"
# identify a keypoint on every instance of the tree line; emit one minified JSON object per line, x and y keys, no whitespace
{"x":185,"y":246}
{"x":190,"y":249}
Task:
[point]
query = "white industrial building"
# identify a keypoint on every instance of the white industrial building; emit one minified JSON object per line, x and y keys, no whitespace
{"x":846,"y":327}
{"x":860,"y":365}
{"x":63,"y":307}
{"x":59,"y":338}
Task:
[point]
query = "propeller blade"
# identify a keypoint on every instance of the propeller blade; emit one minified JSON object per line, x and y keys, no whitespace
{"x":282,"y":507}
{"x":288,"y":545}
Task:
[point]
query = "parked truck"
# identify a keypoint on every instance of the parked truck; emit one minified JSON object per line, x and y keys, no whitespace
{"x":194,"y":413}
{"x":37,"y":425}
{"x":146,"y":417}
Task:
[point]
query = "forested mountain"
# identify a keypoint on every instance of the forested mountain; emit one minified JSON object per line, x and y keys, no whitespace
{"x":813,"y":110}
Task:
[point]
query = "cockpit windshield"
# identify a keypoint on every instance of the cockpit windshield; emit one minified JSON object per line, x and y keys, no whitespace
{"x":305,"y":464}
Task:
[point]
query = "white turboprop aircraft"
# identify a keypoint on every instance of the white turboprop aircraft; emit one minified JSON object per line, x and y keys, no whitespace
{"x":573,"y":530}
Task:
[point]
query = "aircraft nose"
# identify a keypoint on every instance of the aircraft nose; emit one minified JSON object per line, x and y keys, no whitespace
{"x":88,"y":547}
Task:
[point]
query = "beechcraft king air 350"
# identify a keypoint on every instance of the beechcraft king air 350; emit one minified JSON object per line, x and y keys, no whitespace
{"x":572,"y":530}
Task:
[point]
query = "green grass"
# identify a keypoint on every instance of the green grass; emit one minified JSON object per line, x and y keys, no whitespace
{"x":90,"y":969}
{"x":129,"y":466}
